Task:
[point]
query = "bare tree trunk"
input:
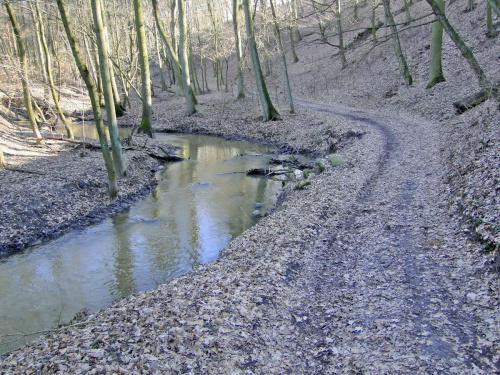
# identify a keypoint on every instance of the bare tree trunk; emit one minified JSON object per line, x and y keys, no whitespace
{"x":172,"y":55}
{"x":470,"y":6}
{"x":375,"y":5}
{"x":206,"y":79}
{"x":435,"y":61}
{"x":48,"y":66}
{"x":2,"y":159}
{"x":407,"y":11}
{"x":338,"y":14}
{"x":119,"y":109}
{"x":270,"y":113}
{"x":283,"y":57}
{"x":495,"y":5}
{"x":94,"y":69}
{"x":39,"y":45}
{"x":464,"y":49}
{"x":237,"y":42}
{"x":295,"y":30}
{"x":489,"y":21}
{"x":160,"y":60}
{"x":186,"y":80}
{"x":192,"y":67}
{"x":292,"y":46}
{"x":107,"y":90}
{"x":173,"y":4}
{"x":321,"y":26}
{"x":24,"y":71}
{"x":94,"y":99}
{"x":403,"y":66}
{"x":145,"y":126}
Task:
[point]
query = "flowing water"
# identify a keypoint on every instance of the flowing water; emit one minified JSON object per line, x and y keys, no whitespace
{"x":199,"y":205}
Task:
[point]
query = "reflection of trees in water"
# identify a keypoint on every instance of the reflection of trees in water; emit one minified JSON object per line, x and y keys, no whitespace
{"x":124,"y":258}
{"x":194,"y":219}
{"x":179,"y":237}
{"x":187,"y":211}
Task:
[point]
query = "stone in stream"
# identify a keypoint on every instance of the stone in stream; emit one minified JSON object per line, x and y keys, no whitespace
{"x":256,"y":213}
{"x":298,"y":174}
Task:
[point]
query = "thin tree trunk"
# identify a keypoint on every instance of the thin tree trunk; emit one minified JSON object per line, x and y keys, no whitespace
{"x":48,"y":66}
{"x":403,"y":66}
{"x":145,"y":126}
{"x":203,"y":88}
{"x":295,"y":30}
{"x":206,"y":79}
{"x":269,"y":112}
{"x":237,"y":42}
{"x":220,"y":70}
{"x":495,"y":5}
{"x":192,"y":68}
{"x":2,"y":159}
{"x":227,"y":71}
{"x":119,"y":109}
{"x":283,"y":57}
{"x":407,"y":11}
{"x":489,"y":20}
{"x":107,"y":90}
{"x":94,"y":65}
{"x":186,"y":80}
{"x":94,"y":100}
{"x":292,"y":46}
{"x":24,"y":71}
{"x":160,"y":60}
{"x":435,"y":60}
{"x":373,"y":19}
{"x":39,"y":45}
{"x":173,"y":4}
{"x":470,"y":6}
{"x":341,"y":36}
{"x":172,"y":55}
{"x":215,"y":68}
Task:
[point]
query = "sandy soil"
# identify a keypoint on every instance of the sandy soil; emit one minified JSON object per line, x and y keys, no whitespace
{"x":379,"y":266}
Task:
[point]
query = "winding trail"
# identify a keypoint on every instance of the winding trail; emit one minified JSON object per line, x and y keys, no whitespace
{"x":388,"y":274}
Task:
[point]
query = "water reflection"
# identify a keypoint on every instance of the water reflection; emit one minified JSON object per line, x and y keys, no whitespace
{"x":198,"y":206}
{"x":124,"y":259}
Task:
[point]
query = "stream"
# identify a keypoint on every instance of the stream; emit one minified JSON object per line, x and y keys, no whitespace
{"x":199,"y":205}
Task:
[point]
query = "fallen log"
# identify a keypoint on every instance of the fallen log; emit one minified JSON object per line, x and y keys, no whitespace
{"x":95,"y":146}
{"x":471,"y":101}
{"x":474,"y":100}
{"x":166,"y":157}
{"x":12,"y":169}
{"x":267,"y":172}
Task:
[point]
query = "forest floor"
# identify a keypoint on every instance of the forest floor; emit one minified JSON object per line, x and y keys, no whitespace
{"x":373,"y":268}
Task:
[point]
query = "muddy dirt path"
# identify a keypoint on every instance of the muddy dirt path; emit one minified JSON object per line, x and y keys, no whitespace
{"x":395,"y":291}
